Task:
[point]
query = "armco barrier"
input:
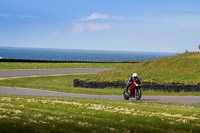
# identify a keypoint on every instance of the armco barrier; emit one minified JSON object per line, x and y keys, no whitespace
{"x":176,"y":87}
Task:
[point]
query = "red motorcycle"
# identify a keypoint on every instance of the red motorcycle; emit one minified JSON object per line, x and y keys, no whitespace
{"x":133,"y":91}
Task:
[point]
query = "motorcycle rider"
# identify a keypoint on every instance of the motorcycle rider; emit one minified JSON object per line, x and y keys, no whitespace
{"x":131,"y":80}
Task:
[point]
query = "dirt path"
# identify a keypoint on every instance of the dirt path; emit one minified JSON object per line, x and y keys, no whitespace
{"x":191,"y":100}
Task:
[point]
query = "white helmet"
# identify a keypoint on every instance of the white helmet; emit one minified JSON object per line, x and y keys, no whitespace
{"x":135,"y":75}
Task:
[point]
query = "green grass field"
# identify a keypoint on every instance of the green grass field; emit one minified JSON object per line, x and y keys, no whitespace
{"x":182,"y":68}
{"x":15,"y":65}
{"x":57,"y":83}
{"x":179,"y":68}
{"x":65,"y":84}
{"x":44,"y":114}
{"x":37,"y":114}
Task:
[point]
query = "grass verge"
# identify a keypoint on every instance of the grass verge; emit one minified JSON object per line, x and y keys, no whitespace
{"x":65,"y":84}
{"x":57,"y":83}
{"x":15,"y":65}
{"x":37,"y":114}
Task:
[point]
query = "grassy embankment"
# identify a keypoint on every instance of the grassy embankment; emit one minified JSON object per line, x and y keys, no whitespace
{"x":179,"y":68}
{"x":182,"y":68}
{"x":28,"y":114}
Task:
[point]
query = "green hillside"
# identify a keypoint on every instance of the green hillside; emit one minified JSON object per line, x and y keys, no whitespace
{"x":184,"y":68}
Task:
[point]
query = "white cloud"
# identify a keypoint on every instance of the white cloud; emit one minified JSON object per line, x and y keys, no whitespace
{"x":97,"y":16}
{"x":117,"y":17}
{"x":3,"y":15}
{"x":20,"y":17}
{"x":94,"y":16}
{"x":25,"y":17}
{"x":98,"y":27}
{"x":79,"y":27}
{"x":84,"y":23}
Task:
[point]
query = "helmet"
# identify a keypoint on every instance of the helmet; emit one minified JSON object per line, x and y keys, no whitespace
{"x":135,"y":75}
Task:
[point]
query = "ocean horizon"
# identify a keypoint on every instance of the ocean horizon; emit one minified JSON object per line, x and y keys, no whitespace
{"x":77,"y":54}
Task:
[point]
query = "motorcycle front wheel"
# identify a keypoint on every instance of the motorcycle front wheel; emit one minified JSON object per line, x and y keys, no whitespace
{"x":138,"y":94}
{"x":125,"y":96}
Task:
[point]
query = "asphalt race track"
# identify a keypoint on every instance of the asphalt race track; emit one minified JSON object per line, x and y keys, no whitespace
{"x":48,"y":72}
{"x":191,"y":100}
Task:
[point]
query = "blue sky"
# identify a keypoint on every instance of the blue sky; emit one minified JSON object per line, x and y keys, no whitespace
{"x":120,"y":25}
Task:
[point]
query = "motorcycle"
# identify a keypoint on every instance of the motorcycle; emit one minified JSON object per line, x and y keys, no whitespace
{"x":133,"y":91}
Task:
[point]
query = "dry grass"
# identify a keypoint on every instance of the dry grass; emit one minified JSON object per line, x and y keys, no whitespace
{"x":83,"y":115}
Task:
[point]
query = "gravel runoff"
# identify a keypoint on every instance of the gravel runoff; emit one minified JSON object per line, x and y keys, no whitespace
{"x":190,"y":100}
{"x":47,"y":72}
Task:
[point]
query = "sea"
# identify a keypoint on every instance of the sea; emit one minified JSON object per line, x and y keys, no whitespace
{"x":77,"y":55}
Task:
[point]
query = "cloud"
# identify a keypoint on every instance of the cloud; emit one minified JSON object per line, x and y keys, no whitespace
{"x":77,"y":28}
{"x":94,"y":16}
{"x":84,"y":23}
{"x":97,"y":16}
{"x":25,"y":17}
{"x":98,"y":27}
{"x":14,"y":16}
{"x":117,"y":17}
{"x":3,"y":15}
{"x":80,"y":27}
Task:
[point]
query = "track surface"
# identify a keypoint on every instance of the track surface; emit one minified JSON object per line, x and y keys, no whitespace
{"x":48,"y":72}
{"x":191,"y":100}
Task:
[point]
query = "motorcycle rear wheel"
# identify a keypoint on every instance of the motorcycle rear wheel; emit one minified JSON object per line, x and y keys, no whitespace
{"x":138,"y":94}
{"x":125,"y":96}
